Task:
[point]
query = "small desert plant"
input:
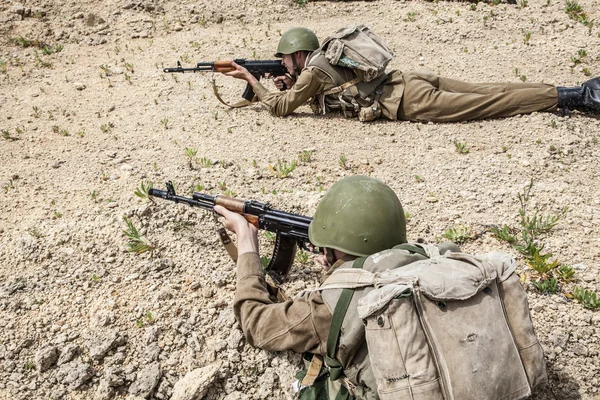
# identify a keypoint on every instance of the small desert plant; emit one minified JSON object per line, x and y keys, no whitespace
{"x":586,"y":297}
{"x":136,"y":242}
{"x":546,"y":285}
{"x":283,"y":168}
{"x":35,"y":232}
{"x":165,"y":123}
{"x":302,"y":257}
{"x":458,"y":234}
{"x":343,"y":161}
{"x":28,"y":366}
{"x":142,"y":191}
{"x":190,"y":153}
{"x":503,"y":233}
{"x":565,"y":273}
{"x":305,"y":156}
{"x":270,"y":236}
{"x":41,"y":63}
{"x":264,"y":260}
{"x":461,"y":147}
{"x":204,"y":162}
{"x":410,"y":16}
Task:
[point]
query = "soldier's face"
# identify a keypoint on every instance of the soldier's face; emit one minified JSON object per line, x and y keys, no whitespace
{"x":287,"y":62}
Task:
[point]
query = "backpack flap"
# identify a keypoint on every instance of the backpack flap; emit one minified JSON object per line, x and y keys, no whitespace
{"x":358,"y":48}
{"x":446,"y":335}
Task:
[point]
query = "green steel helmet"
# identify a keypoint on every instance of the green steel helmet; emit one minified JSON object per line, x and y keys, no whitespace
{"x":297,"y":39}
{"x":358,"y":215}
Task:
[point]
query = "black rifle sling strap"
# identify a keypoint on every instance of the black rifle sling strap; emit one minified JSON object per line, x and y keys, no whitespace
{"x":336,"y":370}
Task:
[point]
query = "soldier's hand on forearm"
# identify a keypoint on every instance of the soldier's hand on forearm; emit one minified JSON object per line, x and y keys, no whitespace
{"x":283,"y":82}
{"x":241,"y":73}
{"x":247,"y":233}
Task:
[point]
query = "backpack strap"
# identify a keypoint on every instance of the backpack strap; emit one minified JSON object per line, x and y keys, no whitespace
{"x":413,"y":248}
{"x":336,"y":370}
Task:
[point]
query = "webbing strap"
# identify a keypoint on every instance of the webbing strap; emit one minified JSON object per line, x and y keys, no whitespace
{"x":412,"y":248}
{"x":343,"y":86}
{"x":228,"y":244}
{"x":314,"y":369}
{"x":336,"y":370}
{"x":241,"y":103}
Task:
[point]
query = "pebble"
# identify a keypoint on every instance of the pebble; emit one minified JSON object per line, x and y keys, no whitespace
{"x":146,"y":381}
{"x":45,"y":358}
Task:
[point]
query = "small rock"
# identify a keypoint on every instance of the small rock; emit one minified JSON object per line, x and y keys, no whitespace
{"x":101,"y":344}
{"x":68,"y":353}
{"x":146,"y":381}
{"x":79,"y":86}
{"x":75,"y":374}
{"x":104,"y":391}
{"x":151,"y":335}
{"x":580,"y":349}
{"x":195,"y":384}
{"x":45,"y":358}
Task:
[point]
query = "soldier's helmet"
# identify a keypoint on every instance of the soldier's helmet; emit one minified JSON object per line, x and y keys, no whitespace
{"x":297,"y":39}
{"x":358,"y":215}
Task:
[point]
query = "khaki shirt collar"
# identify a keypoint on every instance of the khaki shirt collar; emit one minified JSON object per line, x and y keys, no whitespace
{"x":346,"y":258}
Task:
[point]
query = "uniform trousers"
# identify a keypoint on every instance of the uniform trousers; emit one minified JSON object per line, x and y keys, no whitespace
{"x":429,"y":97}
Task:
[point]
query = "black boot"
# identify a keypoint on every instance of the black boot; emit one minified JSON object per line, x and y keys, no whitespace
{"x":584,"y":98}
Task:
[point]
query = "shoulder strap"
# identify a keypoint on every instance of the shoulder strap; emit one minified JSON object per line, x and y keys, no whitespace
{"x":336,"y":370}
{"x":413,"y":248}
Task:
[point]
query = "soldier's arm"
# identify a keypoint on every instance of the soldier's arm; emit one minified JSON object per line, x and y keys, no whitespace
{"x":284,"y":103}
{"x":300,"y":325}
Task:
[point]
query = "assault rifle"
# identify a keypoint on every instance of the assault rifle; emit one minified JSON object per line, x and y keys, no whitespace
{"x":291,"y":229}
{"x":258,"y":68}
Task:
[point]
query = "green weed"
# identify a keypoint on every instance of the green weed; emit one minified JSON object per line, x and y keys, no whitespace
{"x":565,"y":273}
{"x":546,"y":285}
{"x":305,"y":156}
{"x":503,"y":233}
{"x":190,"y":153}
{"x":136,"y":242}
{"x":458,"y":234}
{"x":142,"y":191}
{"x":204,"y":162}
{"x":283,"y":168}
{"x":270,"y":236}
{"x":461,"y":147}
{"x":343,"y":162}
{"x":586,"y":297}
{"x":302,"y":257}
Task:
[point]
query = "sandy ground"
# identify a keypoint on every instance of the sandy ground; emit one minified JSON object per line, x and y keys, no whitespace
{"x":83,"y":127}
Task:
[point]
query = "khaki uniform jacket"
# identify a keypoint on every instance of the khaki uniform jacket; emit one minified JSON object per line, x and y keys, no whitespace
{"x":313,"y":81}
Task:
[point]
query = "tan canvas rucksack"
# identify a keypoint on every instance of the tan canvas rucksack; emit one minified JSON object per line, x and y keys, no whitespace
{"x":453,"y":326}
{"x":355,"y":59}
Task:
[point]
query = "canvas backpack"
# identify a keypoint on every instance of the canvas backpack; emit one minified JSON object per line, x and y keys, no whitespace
{"x":449,"y":327}
{"x":355,"y":59}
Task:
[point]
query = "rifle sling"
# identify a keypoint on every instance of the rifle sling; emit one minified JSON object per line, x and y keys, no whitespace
{"x":239,"y":104}
{"x":335,"y":367}
{"x":228,"y":244}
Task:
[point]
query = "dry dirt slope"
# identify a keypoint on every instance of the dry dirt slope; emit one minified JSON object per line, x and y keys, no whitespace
{"x":86,"y":125}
